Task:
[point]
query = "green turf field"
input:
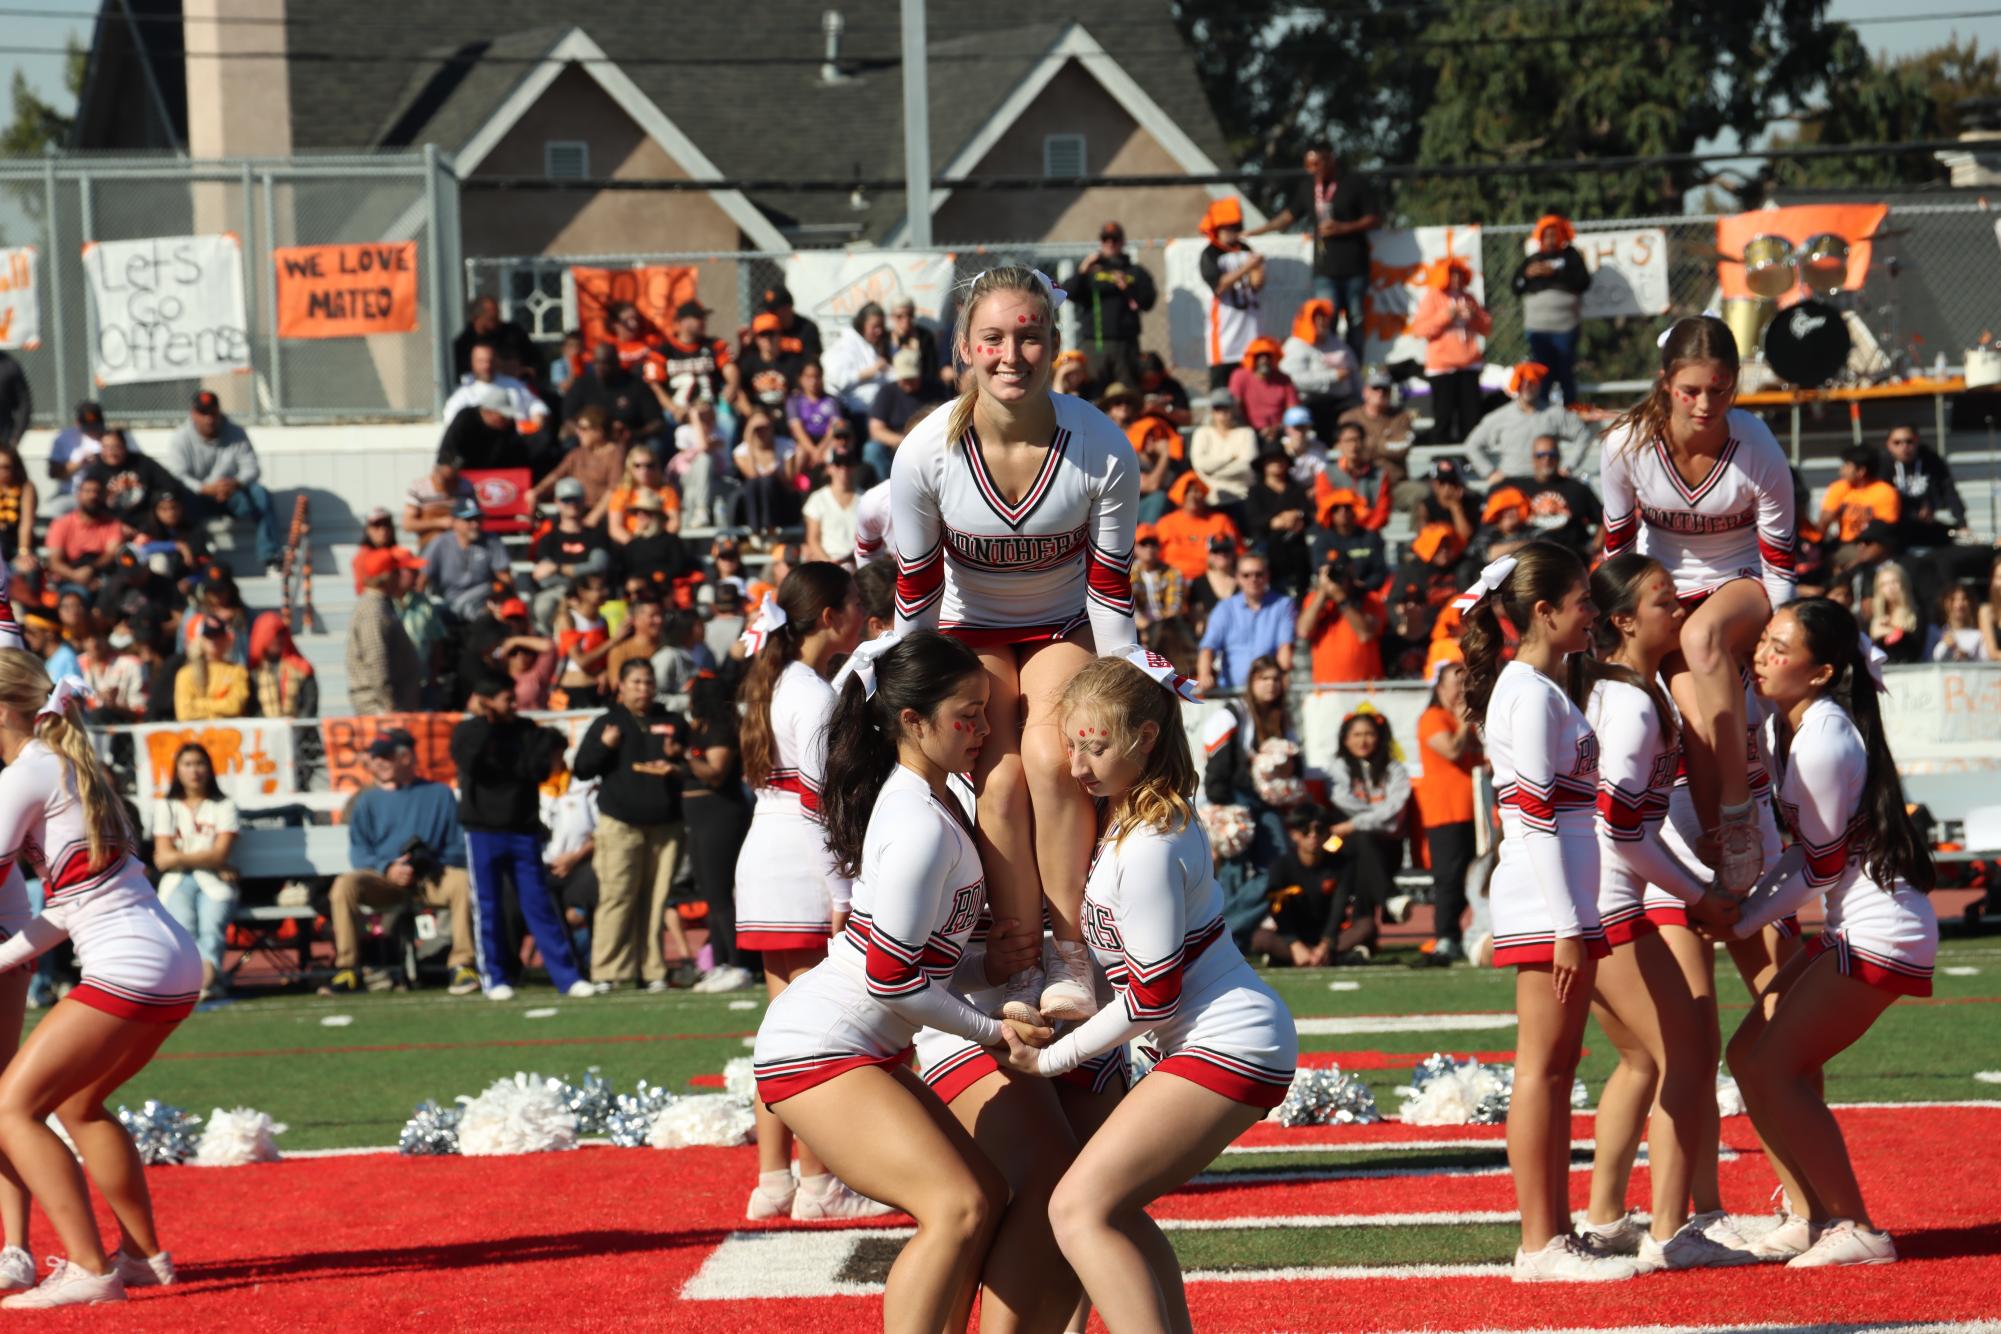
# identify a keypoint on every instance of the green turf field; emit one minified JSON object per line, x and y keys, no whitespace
{"x":353,"y":1085}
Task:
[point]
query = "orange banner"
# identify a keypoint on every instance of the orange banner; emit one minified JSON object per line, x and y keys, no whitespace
{"x":346,"y":291}
{"x":655,"y":288}
{"x":346,"y":743}
{"x":1850,"y":222}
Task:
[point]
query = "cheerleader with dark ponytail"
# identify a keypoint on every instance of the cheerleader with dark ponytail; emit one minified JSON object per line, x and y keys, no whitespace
{"x":1854,"y":846}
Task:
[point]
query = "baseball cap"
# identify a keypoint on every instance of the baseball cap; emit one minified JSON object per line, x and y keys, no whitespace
{"x":569,"y":489}
{"x":727,"y":592}
{"x":492,"y":398}
{"x":1378,"y":377}
{"x":385,"y":746}
{"x":904,"y":303}
{"x":646,"y":499}
{"x":1112,"y":231}
{"x":1147,"y":535}
{"x":688,"y":310}
{"x":1445,"y":470}
{"x":89,"y":413}
{"x":1220,"y":399}
{"x":513,"y":607}
{"x":1222,"y":542}
{"x":1298,"y":417}
{"x":777,"y":296}
{"x":764,"y":322}
{"x":206,"y":402}
{"x":378,"y":515}
{"x":907,"y":364}
{"x":467,"y":508}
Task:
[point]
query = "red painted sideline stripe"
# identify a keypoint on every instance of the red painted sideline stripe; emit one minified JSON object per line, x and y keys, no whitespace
{"x":1388,"y":1060}
{"x":445,"y":1046}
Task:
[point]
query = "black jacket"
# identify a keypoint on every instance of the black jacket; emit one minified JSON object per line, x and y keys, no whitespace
{"x":1111,"y":298}
{"x":626,"y":796}
{"x":1926,"y":486}
{"x":501,"y":769}
{"x":476,"y":445}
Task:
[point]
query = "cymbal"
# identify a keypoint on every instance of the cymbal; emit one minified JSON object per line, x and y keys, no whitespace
{"x":1726,"y":256}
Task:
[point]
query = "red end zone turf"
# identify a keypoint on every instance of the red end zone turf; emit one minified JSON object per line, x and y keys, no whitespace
{"x":602,"y":1237}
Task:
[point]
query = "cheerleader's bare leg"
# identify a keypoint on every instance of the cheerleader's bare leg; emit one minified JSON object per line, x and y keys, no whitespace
{"x":1004,"y":833}
{"x":1065,"y":822}
{"x":14,"y":1199}
{"x":1622,"y":1111}
{"x":774,"y":1141}
{"x":1696,"y":958}
{"x":1549,"y":1040}
{"x":1716,"y":640}
{"x":1086,"y":1111}
{"x":912,"y":1154}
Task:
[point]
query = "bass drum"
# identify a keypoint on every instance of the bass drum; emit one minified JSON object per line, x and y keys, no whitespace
{"x":1807,"y":345}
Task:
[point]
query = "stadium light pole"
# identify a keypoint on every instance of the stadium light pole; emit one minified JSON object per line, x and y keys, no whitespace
{"x":916,"y":129}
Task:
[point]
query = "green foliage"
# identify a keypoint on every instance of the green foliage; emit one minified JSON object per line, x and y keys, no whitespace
{"x":37,"y":124}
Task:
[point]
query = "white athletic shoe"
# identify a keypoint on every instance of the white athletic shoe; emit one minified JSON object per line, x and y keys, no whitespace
{"x":1740,"y":849}
{"x":658,"y":985}
{"x":17,"y":1268}
{"x":581,"y":990}
{"x":1480,"y":952}
{"x":1068,"y":991}
{"x":1620,"y":1237}
{"x":68,"y":1285}
{"x":1727,"y":1231}
{"x":1789,"y":1239}
{"x":838,"y":1201}
{"x":141,"y":1271}
{"x":1690,"y":1248}
{"x":1021,"y":998}
{"x":770,"y":1203}
{"x":1565,"y":1260}
{"x":728,"y":977}
{"x":1845,"y":1242}
{"x":1397,"y":909}
{"x":500,"y":991}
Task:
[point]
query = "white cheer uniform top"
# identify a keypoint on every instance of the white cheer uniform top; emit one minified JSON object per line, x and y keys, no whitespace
{"x":872,"y":523}
{"x":786,"y":885}
{"x":1636,"y":776}
{"x":1545,"y":758}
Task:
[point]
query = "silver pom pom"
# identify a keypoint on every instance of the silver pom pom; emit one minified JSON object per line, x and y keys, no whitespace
{"x":590,"y":1102}
{"x":431,"y":1130}
{"x":630,"y":1121}
{"x":1326,"y":1097}
{"x":161,"y":1133}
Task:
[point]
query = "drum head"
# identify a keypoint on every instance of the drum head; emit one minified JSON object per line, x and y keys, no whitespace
{"x":1824,"y":264}
{"x":1768,"y":266}
{"x":1807,"y":345}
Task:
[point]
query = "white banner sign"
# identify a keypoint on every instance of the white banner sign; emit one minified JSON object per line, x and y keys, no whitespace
{"x":1288,"y":284}
{"x":167,"y":308}
{"x":828,"y":287}
{"x":20,"y":298}
{"x":252,"y":757}
{"x":1629,"y":271}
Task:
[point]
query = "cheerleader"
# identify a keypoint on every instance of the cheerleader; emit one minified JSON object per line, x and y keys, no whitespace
{"x":1665,"y":1039}
{"x":17,"y":1265}
{"x":789,"y":898}
{"x":141,"y":975}
{"x":872,"y":535}
{"x":1854,"y":846}
{"x":1154,"y":919}
{"x":1013,"y":518}
{"x":831,"y":1056}
{"x":1704,"y":489}
{"x":1544,"y":888}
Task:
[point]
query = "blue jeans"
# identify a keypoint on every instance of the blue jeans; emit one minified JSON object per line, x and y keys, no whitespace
{"x":1350,"y":297}
{"x":190,"y":898}
{"x":249,"y":501}
{"x":878,"y":456}
{"x":491,"y":857}
{"x":1558,"y":351}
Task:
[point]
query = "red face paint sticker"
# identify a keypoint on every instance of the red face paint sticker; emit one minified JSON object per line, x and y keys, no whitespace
{"x":1021,"y":319}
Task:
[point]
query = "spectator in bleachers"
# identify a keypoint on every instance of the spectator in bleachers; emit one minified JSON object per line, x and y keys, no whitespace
{"x":463,"y":568}
{"x":1444,"y":792}
{"x":595,"y":462}
{"x":1894,"y":624}
{"x":217,"y":596}
{"x":485,"y":434}
{"x":1276,"y":518}
{"x":636,"y":751}
{"x":83,"y":544}
{"x":1450,"y":502}
{"x":858,"y":366}
{"x":1214,"y":583}
{"x":74,"y":617}
{"x":717,"y":807}
{"x":1305,"y":931}
{"x":153,"y":642}
{"x":571,"y":816}
{"x":131,"y":480}
{"x":378,"y":533}
{"x":632,"y":413}
{"x":635,"y":336}
{"x":483,"y":324}
{"x":213,"y":460}
{"x":568,"y":364}
{"x":1262,"y":391}
{"x":1357,"y":471}
{"x":1431,"y":565}
{"x":194,"y":828}
{"x":565,"y":549}
{"x":406,"y":847}
{"x":766,"y":371}
{"x":281,"y":678}
{"x":683,"y":655}
{"x":1370,"y":791}
{"x":811,"y":413}
{"x":1551,"y":283}
{"x":898,"y":404}
{"x":638,"y":636}
{"x":726,"y":622}
{"x":584,"y":641}
{"x":1504,"y":526}
{"x":429,"y":503}
{"x":1235,"y":734}
{"x":529,"y":411}
{"x":43,"y":637}
{"x":1221,"y":452}
{"x":1507,"y":436}
{"x":1235,"y":274}
{"x":1321,"y":366}
{"x":385,"y":673}
{"x":652,"y":553}
{"x":210,"y":685}
{"x":118,"y":680}
{"x":1561,"y":507}
{"x":1339,"y":209}
{"x":1160,"y":604}
{"x":168,"y":552}
{"x":1189,"y":532}
{"x":1388,"y":428}
{"x":1452,"y":323}
{"x":1931,"y":512}
{"x":1341,"y":535}
{"x":643,"y":472}
{"x":1304,"y":447}
{"x":697,"y":367}
{"x":73,"y":449}
{"x":830,"y":512}
{"x":1957,"y":637}
{"x":1072,"y":373}
{"x":1858,"y":496}
{"x":1251,"y":623}
{"x":1342,"y":624}
{"x":502,"y":625}
{"x":1112,"y":291}
{"x":906,"y":331}
{"x":726,"y":563}
{"x":700,"y":467}
{"x":1160,"y":392}
{"x":18,"y":500}
{"x":532,"y":667}
{"x":769,"y":468}
{"x":1851,"y":576}
{"x":794,"y":334}
{"x":502,"y":760}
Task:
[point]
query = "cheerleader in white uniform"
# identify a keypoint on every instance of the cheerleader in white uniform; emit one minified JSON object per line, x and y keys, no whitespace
{"x":1544,"y":888}
{"x":872,"y":533}
{"x":1153,"y":916}
{"x":1666,"y":1040}
{"x":1855,"y":847}
{"x":789,"y":898}
{"x":1704,"y":489}
{"x":1013,"y":516}
{"x":141,"y":976}
{"x":832,"y":1054}
{"x":17,"y":1264}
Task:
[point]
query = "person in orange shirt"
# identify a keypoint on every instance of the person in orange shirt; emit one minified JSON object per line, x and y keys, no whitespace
{"x":1452,"y":321}
{"x":1185,"y":531}
{"x":1343,"y":622}
{"x":1858,"y":496}
{"x":1449,"y":751}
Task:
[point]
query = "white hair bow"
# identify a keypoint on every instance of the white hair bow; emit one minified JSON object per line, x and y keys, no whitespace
{"x":70,"y":688}
{"x":1488,"y":584}
{"x":1161,"y":670}
{"x":1661,"y":342}
{"x":1057,"y":296}
{"x":1873,"y":658}
{"x":861,"y":663}
{"x":770,"y":617}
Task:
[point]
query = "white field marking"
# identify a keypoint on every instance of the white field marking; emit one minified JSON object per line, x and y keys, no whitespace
{"x":1496,"y":1143}
{"x":1988,"y":1076}
{"x":1315,"y":1273}
{"x":1344,"y":986}
{"x":545,"y":1012}
{"x":743,"y":1005}
{"x":336,"y":1021}
{"x":1346,"y":1025}
{"x":1963,"y":970}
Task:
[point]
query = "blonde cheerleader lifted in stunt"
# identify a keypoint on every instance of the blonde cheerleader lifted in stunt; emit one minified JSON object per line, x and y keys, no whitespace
{"x":141,"y":975}
{"x":1855,"y":847}
{"x":1544,"y":888}
{"x":1013,"y":516}
{"x":1703,"y":488}
{"x":1154,"y":918}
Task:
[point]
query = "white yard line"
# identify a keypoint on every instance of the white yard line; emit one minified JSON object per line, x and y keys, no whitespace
{"x":1361,"y":1024}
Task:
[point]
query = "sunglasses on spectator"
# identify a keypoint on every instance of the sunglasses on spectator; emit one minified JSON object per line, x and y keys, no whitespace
{"x":638,"y":464}
{"x":1253,"y":574}
{"x":1547,"y":454}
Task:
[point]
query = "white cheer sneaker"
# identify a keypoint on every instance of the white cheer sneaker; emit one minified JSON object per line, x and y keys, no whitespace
{"x":1068,"y":990}
{"x":144,"y":1271}
{"x":68,"y":1285}
{"x":838,"y":1200}
{"x":1620,"y":1237}
{"x":1843,"y":1241}
{"x":1792,"y":1237}
{"x":1565,"y":1260}
{"x":17,"y":1268}
{"x":1021,"y":999}
{"x":1690,"y":1248}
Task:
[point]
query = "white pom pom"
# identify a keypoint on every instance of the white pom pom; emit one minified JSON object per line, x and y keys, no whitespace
{"x":738,"y":1081}
{"x":1450,"y":1099}
{"x":523,"y":1114}
{"x":1729,"y":1098}
{"x":237,"y":1136}
{"x":714,"y":1119}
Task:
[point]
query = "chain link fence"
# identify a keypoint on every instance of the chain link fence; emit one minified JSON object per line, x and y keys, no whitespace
{"x":60,"y":204}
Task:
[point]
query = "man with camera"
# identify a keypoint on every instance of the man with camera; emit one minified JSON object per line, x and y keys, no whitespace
{"x":1343,"y":621}
{"x":403,"y":838}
